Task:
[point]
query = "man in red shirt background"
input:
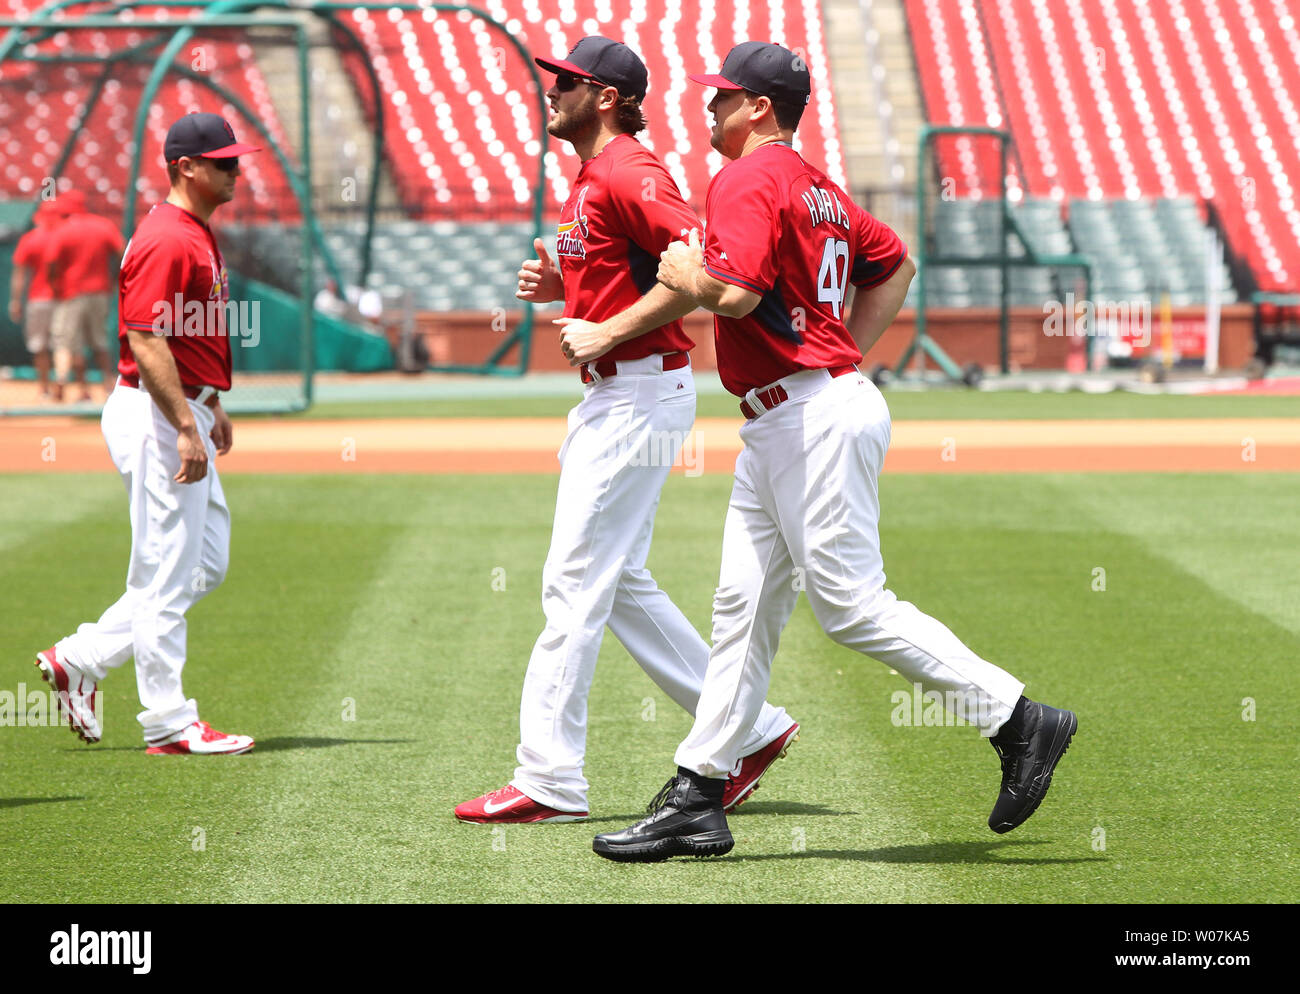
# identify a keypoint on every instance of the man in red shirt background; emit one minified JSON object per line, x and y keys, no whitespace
{"x":164,"y":425}
{"x":31,"y":298}
{"x":82,"y":269}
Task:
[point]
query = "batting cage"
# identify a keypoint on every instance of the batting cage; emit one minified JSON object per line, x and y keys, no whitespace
{"x":982,"y":243}
{"x":334,"y":252}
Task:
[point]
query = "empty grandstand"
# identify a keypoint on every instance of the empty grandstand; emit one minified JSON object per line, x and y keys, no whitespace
{"x":1158,"y":139}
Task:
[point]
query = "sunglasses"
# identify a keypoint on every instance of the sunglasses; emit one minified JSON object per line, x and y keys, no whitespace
{"x":564,"y":82}
{"x":225,"y":165}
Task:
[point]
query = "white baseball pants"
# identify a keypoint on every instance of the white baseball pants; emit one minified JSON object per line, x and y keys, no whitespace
{"x":180,"y":547}
{"x":805,"y":514}
{"x":623,"y":439}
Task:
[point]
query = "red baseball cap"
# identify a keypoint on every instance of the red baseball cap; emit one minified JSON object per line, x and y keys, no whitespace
{"x":206,"y":136}
{"x":68,"y":202}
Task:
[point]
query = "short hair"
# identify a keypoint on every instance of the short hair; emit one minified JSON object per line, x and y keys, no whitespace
{"x":173,"y":172}
{"x":787,"y":113}
{"x":627,"y":115}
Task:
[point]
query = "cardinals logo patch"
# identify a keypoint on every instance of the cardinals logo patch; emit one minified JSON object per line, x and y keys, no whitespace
{"x":570,"y":235}
{"x":220,"y":289}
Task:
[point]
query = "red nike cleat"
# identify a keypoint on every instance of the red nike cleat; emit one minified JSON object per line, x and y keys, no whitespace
{"x":78,"y":695}
{"x":511,"y":806}
{"x":200,"y":739}
{"x":742,"y":783}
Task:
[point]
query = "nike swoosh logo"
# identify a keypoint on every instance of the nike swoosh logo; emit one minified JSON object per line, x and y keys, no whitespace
{"x":490,"y":809}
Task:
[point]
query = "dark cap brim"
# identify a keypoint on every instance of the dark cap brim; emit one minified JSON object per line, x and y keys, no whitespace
{"x":229,"y":151}
{"x":564,"y":67}
{"x":721,"y":82}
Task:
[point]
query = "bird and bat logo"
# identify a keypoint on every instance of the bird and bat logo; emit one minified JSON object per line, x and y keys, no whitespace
{"x":571,"y":235}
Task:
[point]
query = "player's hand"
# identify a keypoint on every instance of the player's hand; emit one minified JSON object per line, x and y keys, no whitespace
{"x":582,"y":341}
{"x":680,"y":263}
{"x":223,"y":432}
{"x":194,"y":456}
{"x":15,"y":311}
{"x":539,"y":280}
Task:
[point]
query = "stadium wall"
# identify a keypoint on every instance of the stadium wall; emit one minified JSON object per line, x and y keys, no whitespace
{"x":967,"y":335}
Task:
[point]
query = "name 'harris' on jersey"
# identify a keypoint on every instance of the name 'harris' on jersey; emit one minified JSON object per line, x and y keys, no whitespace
{"x":622,"y":213}
{"x":780,"y":228}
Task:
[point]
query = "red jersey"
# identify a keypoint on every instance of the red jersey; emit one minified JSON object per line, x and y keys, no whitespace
{"x":779,"y":228}
{"x":174,"y":282}
{"x":623,"y":212}
{"x":32,"y":252}
{"x":81,"y":250}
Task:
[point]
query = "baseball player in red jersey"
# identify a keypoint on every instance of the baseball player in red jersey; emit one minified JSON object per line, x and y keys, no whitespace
{"x":783,"y":243}
{"x":624,"y":332}
{"x":164,"y":425}
{"x":31,"y":298}
{"x":82,"y":265}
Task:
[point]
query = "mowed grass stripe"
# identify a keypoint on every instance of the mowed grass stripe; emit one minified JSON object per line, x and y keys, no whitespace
{"x":352,"y":705}
{"x":440,"y":706}
{"x":439,"y":709}
{"x":1237,"y":533}
{"x":417,"y":659}
{"x":1186,"y":796}
{"x":382,"y":591}
{"x":174,"y":828}
{"x":33,"y":505}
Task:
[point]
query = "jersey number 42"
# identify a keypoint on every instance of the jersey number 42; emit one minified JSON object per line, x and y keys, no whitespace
{"x":832,"y":279}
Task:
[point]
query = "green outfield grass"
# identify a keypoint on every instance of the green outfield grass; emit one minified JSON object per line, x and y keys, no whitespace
{"x":375,"y":596}
{"x":905,"y":406}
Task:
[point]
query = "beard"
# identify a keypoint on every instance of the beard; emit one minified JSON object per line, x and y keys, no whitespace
{"x":572,"y":125}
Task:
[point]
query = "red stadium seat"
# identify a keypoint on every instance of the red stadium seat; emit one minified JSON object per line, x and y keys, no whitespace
{"x":33,"y":133}
{"x":462,"y":120}
{"x":1129,"y":99}
{"x":460,"y":105}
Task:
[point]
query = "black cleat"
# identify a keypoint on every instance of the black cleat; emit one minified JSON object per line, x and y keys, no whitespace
{"x":686,"y":819}
{"x":1030,"y":744}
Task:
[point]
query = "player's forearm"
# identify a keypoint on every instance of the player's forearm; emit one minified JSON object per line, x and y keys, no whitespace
{"x":722,"y":298}
{"x":875,"y":309}
{"x":158,"y":375}
{"x":18,"y":284}
{"x":657,"y":308}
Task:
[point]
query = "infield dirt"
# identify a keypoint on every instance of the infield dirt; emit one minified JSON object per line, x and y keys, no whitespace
{"x":529,"y":445}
